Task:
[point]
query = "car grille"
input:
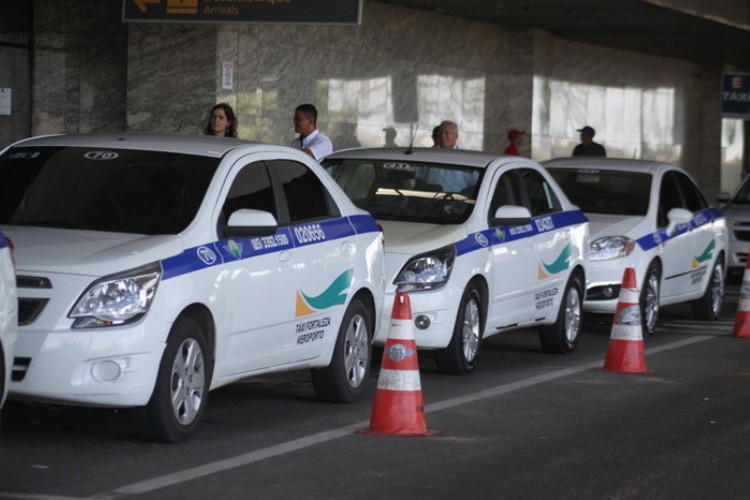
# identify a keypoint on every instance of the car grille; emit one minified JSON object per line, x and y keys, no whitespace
{"x":20,"y":367}
{"x":742,"y":231}
{"x":30,"y":309}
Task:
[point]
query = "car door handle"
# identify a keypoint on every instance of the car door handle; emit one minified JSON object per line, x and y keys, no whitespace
{"x":347,"y":247}
{"x":285,"y":255}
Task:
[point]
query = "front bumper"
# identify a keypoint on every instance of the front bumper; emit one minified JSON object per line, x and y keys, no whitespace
{"x":113,"y":367}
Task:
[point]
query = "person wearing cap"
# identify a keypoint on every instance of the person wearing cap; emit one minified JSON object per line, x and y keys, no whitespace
{"x":588,"y":147}
{"x":390,"y":137}
{"x":515,"y":137}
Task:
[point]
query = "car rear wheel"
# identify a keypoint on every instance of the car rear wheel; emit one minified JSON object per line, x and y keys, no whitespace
{"x":342,"y":380}
{"x":181,"y":391}
{"x":649,"y":299}
{"x":562,"y":336}
{"x":462,"y":354}
{"x":708,"y":307}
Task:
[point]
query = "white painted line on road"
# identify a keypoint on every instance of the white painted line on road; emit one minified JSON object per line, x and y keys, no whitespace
{"x":322,"y":437}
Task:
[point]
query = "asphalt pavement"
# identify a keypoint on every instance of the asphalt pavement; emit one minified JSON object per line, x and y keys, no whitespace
{"x":525,"y":425}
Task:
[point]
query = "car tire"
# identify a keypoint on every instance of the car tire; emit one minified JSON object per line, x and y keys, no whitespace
{"x":182,"y":384}
{"x":562,"y":336}
{"x":649,"y":299}
{"x":343,"y":379}
{"x":461,"y":355}
{"x":708,"y":306}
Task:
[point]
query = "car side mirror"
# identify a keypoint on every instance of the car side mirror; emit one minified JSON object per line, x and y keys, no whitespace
{"x":677,"y":217}
{"x":511,"y":215}
{"x":723,"y":198}
{"x":249,"y":222}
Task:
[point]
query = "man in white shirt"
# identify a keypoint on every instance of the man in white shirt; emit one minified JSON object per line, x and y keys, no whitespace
{"x":310,"y":140}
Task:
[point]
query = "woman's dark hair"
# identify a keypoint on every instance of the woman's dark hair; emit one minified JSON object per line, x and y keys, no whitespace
{"x":229,"y":112}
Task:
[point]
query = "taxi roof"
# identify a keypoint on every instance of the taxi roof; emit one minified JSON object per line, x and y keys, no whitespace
{"x":200,"y":145}
{"x":466,"y":157}
{"x":599,"y":163}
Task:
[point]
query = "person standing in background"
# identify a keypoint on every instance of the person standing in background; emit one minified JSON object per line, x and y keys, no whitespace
{"x":448,"y":135}
{"x":310,"y":141}
{"x":588,"y":147}
{"x":222,"y":122}
{"x":515,"y":137}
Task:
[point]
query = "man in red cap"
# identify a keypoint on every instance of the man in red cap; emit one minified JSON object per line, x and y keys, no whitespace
{"x":516,"y":138}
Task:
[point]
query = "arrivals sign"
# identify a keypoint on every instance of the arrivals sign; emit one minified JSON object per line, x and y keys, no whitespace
{"x":244,"y":11}
{"x":735,"y":95}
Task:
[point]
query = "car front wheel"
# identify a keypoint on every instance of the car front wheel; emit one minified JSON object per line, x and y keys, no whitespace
{"x":649,"y":299}
{"x":562,"y":336}
{"x":342,"y":380}
{"x":181,"y":391}
{"x":462,"y":354}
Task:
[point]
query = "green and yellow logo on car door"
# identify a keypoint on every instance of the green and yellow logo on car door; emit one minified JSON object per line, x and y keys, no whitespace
{"x":560,"y":264}
{"x":334,"y":295}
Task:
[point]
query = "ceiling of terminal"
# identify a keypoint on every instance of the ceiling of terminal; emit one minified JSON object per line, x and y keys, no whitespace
{"x":636,"y":25}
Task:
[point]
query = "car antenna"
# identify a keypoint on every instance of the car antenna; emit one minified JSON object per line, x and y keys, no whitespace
{"x":410,"y":149}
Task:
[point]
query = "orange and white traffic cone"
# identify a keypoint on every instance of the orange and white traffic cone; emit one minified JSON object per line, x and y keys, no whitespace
{"x":625,"y":349}
{"x":399,"y":407}
{"x":742,"y":318}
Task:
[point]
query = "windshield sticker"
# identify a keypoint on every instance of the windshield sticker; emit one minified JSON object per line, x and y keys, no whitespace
{"x":101,"y":155}
{"x":396,"y":166}
{"x":23,"y":155}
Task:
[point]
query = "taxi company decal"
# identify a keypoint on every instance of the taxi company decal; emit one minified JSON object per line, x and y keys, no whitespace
{"x":706,"y":255}
{"x":334,"y":295}
{"x":660,"y":237}
{"x":206,"y":255}
{"x":496,"y":236}
{"x":545,"y":298}
{"x":234,"y":248}
{"x":562,"y":263}
{"x":399,"y":352}
{"x":312,"y":330}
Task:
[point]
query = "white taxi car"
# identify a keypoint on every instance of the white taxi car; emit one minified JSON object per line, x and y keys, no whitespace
{"x":152,"y":269}
{"x":652,"y":217}
{"x":736,"y":209}
{"x":484,"y":244}
{"x":8,"y":315}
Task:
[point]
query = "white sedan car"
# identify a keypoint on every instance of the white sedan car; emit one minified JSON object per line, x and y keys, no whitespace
{"x":737,"y":212}
{"x":483,"y":244}
{"x":8,"y":315}
{"x":152,"y":269}
{"x":652,"y":217}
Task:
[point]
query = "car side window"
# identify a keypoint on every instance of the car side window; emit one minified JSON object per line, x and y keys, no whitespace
{"x":506,"y":193}
{"x":251,"y":189}
{"x":669,"y":197}
{"x":306,"y":196}
{"x":694,"y":199}
{"x":541,"y":197}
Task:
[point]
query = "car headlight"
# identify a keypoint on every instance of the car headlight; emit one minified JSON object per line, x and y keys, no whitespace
{"x":427,"y":271}
{"x":611,"y":247}
{"x":118,"y":299}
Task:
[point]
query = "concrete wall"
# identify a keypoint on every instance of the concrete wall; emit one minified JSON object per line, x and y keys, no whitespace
{"x":402,"y":68}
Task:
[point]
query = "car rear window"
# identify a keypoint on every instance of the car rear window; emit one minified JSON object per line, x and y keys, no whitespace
{"x":415,"y":192}
{"x":606,"y":191}
{"x":125,"y":191}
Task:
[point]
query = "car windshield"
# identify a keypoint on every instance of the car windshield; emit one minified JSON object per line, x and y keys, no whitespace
{"x":126,"y":191}
{"x":742,"y":197}
{"x":408,"y":191}
{"x":606,"y":191}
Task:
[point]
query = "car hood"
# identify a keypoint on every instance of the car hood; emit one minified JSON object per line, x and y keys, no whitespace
{"x":414,"y":237}
{"x":613,"y":225}
{"x":92,"y":253}
{"x":736,"y":212}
